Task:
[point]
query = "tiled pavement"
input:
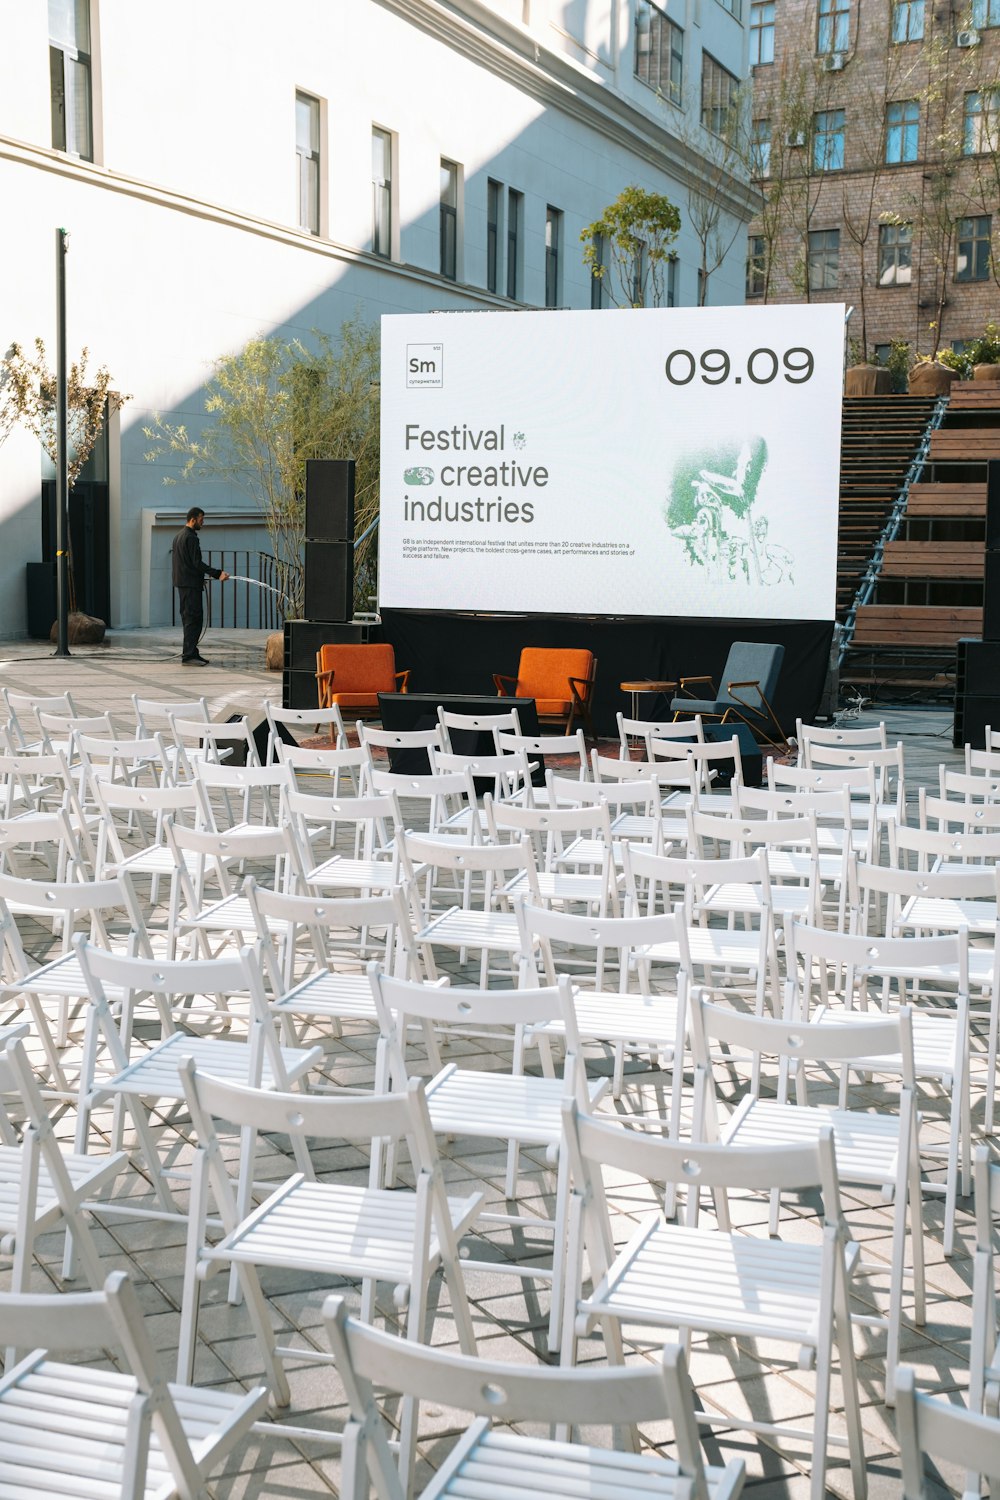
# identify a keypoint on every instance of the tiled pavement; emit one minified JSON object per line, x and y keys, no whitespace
{"x":510,"y":1315}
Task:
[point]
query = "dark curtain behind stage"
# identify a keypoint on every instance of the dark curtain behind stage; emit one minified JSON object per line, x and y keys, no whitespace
{"x":459,"y":654}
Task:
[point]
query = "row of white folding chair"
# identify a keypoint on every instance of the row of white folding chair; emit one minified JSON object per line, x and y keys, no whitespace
{"x":838,"y":737}
{"x":947,"y":814}
{"x":22,"y":710}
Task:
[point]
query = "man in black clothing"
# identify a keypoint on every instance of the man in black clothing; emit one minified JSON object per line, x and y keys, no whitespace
{"x":189,"y":574}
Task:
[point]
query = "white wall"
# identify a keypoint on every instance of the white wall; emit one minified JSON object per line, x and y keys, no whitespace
{"x":182,"y":240}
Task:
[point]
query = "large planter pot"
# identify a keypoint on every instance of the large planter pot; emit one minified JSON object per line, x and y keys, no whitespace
{"x":274,"y":651}
{"x":867,"y":380}
{"x":931,"y":379}
{"x":986,"y":372}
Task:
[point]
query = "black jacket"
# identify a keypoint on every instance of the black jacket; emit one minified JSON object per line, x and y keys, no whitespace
{"x":188,"y":568}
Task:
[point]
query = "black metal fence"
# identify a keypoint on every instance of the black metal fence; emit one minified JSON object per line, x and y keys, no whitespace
{"x":254,"y":598}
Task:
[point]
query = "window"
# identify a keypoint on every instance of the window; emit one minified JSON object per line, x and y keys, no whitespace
{"x":659,"y":51}
{"x":672,"y":273}
{"x":760,"y":149}
{"x":902,"y":131}
{"x":972,"y":261}
{"x":553,"y":236}
{"x":755,"y":265}
{"x":702,"y":287}
{"x":982,"y":119}
{"x":895,"y":248}
{"x":515,"y":209}
{"x":985,"y":13}
{"x":307,"y":158}
{"x":494,"y":212}
{"x":598,"y":290}
{"x":637,"y":291}
{"x":449,"y":220}
{"x":908,"y":20}
{"x":718,"y":94}
{"x":381,"y":192}
{"x":69,"y":77}
{"x":828,"y":141}
{"x":761,"y":32}
{"x":833,"y":27}
{"x":824,"y":259}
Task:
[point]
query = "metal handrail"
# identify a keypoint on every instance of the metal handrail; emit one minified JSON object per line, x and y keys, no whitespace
{"x":890,"y":530}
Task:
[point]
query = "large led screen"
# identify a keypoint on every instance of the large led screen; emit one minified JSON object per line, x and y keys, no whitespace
{"x":668,"y":461}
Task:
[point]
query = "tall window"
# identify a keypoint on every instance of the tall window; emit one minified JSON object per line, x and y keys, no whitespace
{"x":982,"y":122}
{"x":760,"y":149}
{"x":515,"y":212}
{"x":761,"y":32}
{"x":449,"y":219}
{"x":494,"y":212}
{"x":828,"y":141}
{"x":553,"y":237}
{"x":672,"y":275}
{"x":755,"y":265}
{"x":908,"y":20}
{"x":307,"y":159}
{"x":823,"y":261}
{"x":381,"y":192}
{"x":895,"y":251}
{"x":902,"y":131}
{"x":718,"y":94}
{"x":985,"y":13}
{"x":972,"y":260}
{"x":659,"y":51}
{"x":833,"y":27}
{"x":69,"y":77}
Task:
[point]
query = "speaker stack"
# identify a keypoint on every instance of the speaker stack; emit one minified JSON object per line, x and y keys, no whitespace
{"x":329,"y":579}
{"x":977,"y":678}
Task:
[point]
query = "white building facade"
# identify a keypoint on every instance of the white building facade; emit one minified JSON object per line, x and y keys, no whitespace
{"x":228,"y":169}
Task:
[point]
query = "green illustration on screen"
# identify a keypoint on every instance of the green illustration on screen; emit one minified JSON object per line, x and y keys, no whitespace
{"x":713,"y":510}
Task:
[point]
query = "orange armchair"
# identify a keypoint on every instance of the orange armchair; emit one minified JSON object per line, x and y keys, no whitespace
{"x":561,"y":681}
{"x":353,"y":676}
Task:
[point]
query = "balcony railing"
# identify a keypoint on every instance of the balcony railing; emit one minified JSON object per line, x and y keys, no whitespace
{"x":254,"y":598}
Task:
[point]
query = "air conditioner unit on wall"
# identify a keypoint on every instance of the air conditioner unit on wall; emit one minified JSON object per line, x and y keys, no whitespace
{"x":834,"y":62}
{"x":968,"y":38}
{"x":795,"y":138}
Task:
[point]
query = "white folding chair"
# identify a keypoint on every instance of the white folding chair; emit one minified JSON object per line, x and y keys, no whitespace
{"x":364,"y":828}
{"x":328,"y":719}
{"x":504,"y":1463}
{"x":684,"y":1277}
{"x":946,"y":815}
{"x":506,"y":722}
{"x":875,"y":1149}
{"x":22,"y":716}
{"x":932,"y":1427}
{"x":228,"y":917}
{"x":571,"y":748}
{"x":66,"y":1429}
{"x":553,"y":832}
{"x":494,"y":1105}
{"x":334,"y":1229}
{"x":256,"y":790}
{"x":807,"y":735}
{"x":509,"y":777}
{"x":691,"y":731}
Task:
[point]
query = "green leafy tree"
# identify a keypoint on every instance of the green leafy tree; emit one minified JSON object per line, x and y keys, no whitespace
{"x":628,"y":247}
{"x":273,"y":405}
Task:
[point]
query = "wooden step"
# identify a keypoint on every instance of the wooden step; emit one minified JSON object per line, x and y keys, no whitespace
{"x":965,"y":442}
{"x":934,"y":560}
{"x":915,"y":624}
{"x":946,"y":500}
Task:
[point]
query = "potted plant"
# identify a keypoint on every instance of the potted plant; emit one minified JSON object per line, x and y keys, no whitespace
{"x":932,"y":375}
{"x":983,"y":354}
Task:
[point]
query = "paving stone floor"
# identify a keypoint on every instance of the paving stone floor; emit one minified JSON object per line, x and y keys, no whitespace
{"x":733,"y":1377}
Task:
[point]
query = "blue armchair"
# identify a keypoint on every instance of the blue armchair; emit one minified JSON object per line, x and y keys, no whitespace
{"x":749,"y":679}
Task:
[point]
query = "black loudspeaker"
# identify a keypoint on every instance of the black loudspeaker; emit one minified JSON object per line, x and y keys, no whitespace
{"x":329,"y":581}
{"x":993,"y":505}
{"x":303,"y":638}
{"x":979,"y":668}
{"x":298,"y":689}
{"x":971,"y":718}
{"x":329,"y":500}
{"x":41,"y":586}
{"x":751,"y":755}
{"x":991,"y":598}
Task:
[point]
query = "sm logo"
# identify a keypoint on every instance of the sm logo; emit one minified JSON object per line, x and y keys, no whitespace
{"x":425,"y":365}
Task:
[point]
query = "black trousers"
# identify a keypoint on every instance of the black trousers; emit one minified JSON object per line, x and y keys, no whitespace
{"x":192,"y":619}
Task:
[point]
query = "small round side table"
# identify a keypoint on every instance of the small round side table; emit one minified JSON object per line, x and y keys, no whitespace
{"x":645,"y":685}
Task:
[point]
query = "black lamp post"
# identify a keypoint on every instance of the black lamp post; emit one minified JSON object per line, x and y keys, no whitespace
{"x":62,"y":455}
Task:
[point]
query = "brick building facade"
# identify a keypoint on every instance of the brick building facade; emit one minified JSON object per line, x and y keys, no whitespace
{"x":875,"y":133}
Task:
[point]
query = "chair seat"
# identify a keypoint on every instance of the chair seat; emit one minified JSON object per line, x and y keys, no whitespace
{"x":63,"y":1430}
{"x":338,"y":1230}
{"x":62,"y":978}
{"x":946,"y":914}
{"x":786,"y":900}
{"x":87,"y":1176}
{"x":606,"y":1016}
{"x":457,"y":928}
{"x":337,"y":996}
{"x":546,"y":707}
{"x":156,"y":860}
{"x":935,"y":1037}
{"x":157,"y":1075}
{"x":513,"y":1107}
{"x":559,"y":885}
{"x":673,"y":1276}
{"x":509,"y":1464}
{"x":338,"y":873}
{"x":866,"y":1144}
{"x":231,"y":914}
{"x":356,"y":700}
{"x":723,"y":947}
